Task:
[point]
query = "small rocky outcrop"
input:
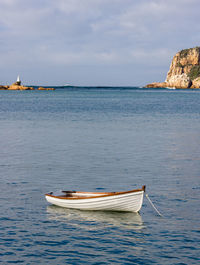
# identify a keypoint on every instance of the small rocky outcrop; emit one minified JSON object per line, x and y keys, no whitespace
{"x":45,"y":88}
{"x":3,"y":87}
{"x":184,"y":70}
{"x":156,"y":84}
{"x":17,"y":86}
{"x":14,"y":86}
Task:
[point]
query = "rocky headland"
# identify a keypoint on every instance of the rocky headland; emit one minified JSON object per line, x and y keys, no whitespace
{"x":184,"y":71}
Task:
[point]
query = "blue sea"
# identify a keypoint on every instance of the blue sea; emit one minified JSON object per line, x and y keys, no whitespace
{"x":100,"y":139}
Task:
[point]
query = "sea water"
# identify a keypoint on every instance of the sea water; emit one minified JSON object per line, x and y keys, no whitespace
{"x":100,"y":139}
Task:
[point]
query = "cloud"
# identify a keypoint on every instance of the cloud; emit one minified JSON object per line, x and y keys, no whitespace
{"x":42,"y":35}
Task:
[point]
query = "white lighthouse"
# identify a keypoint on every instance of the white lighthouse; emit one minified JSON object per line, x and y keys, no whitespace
{"x":18,"y":81}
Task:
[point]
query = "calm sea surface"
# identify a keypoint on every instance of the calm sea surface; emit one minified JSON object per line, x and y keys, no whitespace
{"x":106,"y":140}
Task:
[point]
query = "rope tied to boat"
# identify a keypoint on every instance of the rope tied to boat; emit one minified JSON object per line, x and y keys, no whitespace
{"x":153,"y":205}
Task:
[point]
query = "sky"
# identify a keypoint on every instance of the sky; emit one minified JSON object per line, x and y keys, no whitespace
{"x":94,"y":42}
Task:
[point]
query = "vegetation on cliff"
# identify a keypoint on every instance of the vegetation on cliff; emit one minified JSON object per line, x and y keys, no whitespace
{"x":194,"y":72}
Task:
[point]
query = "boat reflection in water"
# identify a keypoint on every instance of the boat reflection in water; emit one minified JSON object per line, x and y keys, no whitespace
{"x":105,"y":218}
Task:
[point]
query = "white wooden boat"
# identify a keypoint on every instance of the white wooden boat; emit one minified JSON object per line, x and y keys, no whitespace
{"x":126,"y":201}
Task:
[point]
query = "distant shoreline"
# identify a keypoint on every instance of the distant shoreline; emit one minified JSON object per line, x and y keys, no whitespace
{"x":47,"y":88}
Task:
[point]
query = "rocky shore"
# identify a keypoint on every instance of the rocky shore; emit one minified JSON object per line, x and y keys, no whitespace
{"x":17,"y":86}
{"x":184,"y":71}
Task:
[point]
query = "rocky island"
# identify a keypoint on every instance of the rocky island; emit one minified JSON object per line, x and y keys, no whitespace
{"x":184,"y":70}
{"x":18,"y":86}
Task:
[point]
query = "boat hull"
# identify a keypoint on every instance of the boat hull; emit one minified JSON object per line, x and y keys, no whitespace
{"x":127,"y":202}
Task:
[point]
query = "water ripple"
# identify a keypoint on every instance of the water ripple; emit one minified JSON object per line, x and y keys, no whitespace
{"x":90,"y":139}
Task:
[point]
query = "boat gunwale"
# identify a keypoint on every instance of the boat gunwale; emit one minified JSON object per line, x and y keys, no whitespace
{"x":104,"y":194}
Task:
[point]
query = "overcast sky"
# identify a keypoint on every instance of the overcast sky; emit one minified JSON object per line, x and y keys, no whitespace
{"x":94,"y":42}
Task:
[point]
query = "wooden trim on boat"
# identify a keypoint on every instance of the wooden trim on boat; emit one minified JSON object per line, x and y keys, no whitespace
{"x":102,"y":194}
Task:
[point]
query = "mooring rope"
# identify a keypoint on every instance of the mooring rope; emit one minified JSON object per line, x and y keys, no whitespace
{"x":153,"y":205}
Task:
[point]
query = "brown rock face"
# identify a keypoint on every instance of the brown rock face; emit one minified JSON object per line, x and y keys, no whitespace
{"x":18,"y":87}
{"x":156,"y":85}
{"x":184,"y":70}
{"x":45,"y":88}
{"x":179,"y":81}
{"x":196,"y":83}
{"x":3,"y":87}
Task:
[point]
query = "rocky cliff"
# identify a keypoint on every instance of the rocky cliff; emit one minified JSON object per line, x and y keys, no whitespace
{"x":184,"y":70}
